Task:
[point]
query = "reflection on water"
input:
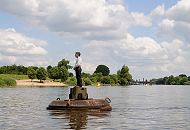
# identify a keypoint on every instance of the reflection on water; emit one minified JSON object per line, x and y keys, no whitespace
{"x":134,"y":108}
{"x":77,"y":119}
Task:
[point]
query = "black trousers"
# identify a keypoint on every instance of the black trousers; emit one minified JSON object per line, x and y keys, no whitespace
{"x":78,"y":71}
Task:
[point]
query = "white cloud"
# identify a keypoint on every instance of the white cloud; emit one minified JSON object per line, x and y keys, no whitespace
{"x":141,"y":19}
{"x":20,"y":49}
{"x":167,"y":24}
{"x":158,"y":11}
{"x":176,"y":23}
{"x":142,"y":54}
{"x":89,"y":19}
{"x":174,"y":29}
{"x":180,"y":11}
{"x":142,"y":45}
{"x":103,"y":27}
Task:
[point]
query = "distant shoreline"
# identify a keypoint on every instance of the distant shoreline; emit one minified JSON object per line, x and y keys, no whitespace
{"x":36,"y":83}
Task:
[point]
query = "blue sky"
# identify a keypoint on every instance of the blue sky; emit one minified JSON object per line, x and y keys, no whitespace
{"x":146,"y":6}
{"x":146,"y":35}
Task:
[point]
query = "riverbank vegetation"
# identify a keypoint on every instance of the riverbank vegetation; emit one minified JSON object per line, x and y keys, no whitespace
{"x":10,"y":79}
{"x":6,"y":81}
{"x":61,"y":73}
{"x":181,"y":79}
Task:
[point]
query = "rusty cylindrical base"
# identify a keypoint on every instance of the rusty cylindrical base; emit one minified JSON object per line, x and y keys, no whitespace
{"x":80,"y":104}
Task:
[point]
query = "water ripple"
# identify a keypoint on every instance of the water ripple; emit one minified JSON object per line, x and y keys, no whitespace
{"x":134,"y":107}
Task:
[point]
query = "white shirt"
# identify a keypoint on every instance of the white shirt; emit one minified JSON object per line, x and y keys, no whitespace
{"x":78,"y":62}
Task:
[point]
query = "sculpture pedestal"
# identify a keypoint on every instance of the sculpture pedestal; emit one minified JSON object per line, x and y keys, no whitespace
{"x":78,"y":93}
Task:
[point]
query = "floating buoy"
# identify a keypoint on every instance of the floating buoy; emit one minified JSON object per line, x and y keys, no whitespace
{"x":78,"y":99}
{"x":80,"y":104}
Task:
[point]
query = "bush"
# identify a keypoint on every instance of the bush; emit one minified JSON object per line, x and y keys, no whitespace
{"x":2,"y":82}
{"x":113,"y":79}
{"x":71,"y":81}
{"x":93,"y":79}
{"x":71,"y":74}
{"x":123,"y":82}
{"x":98,"y":76}
{"x":187,"y":83}
{"x":112,"y":82}
{"x":10,"y":82}
{"x":7,"y":82}
{"x":105,"y":80}
{"x":87,"y":81}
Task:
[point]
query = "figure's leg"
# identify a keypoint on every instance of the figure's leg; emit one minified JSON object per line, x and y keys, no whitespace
{"x":77,"y":76}
{"x":80,"y":77}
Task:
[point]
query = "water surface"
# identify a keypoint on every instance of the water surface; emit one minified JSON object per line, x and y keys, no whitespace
{"x":134,"y":107}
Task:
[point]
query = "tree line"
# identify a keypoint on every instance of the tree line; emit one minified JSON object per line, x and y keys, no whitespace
{"x":60,"y":72}
{"x":102,"y":75}
{"x":14,"y":69}
{"x":181,"y":79}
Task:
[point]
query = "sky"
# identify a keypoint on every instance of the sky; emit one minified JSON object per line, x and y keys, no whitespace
{"x":151,"y":37}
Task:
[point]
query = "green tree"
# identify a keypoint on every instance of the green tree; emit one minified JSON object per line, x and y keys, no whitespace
{"x":31,"y":73}
{"x":64,"y":74}
{"x":2,"y":70}
{"x":71,"y":81}
{"x":21,"y":70}
{"x":54,"y":73}
{"x":105,"y":80}
{"x":183,"y":75}
{"x":187,"y":83}
{"x":124,"y":76}
{"x":13,"y":69}
{"x":87,"y":81}
{"x":114,"y":79}
{"x":85,"y":75}
{"x":183,"y":80}
{"x":93,"y":79}
{"x":64,"y":63}
{"x":189,"y":78}
{"x":159,"y":81}
{"x":48,"y":68}
{"x":34,"y":67}
{"x":170,"y":80}
{"x":177,"y":80}
{"x":41,"y":74}
{"x":123,"y":82}
{"x":71,"y":74}
{"x":97,"y":76}
{"x":102,"y":69}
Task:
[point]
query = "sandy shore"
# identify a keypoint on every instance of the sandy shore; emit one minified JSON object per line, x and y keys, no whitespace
{"x":36,"y":83}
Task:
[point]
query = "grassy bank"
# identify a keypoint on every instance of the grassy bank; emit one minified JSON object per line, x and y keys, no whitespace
{"x":14,"y":76}
{"x":23,"y":80}
{"x":7,"y":81}
{"x":10,"y":79}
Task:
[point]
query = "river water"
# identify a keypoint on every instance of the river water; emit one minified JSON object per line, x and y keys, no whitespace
{"x":134,"y":108}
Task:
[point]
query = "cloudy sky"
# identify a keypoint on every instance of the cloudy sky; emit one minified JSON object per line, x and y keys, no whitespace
{"x":150,"y":36}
